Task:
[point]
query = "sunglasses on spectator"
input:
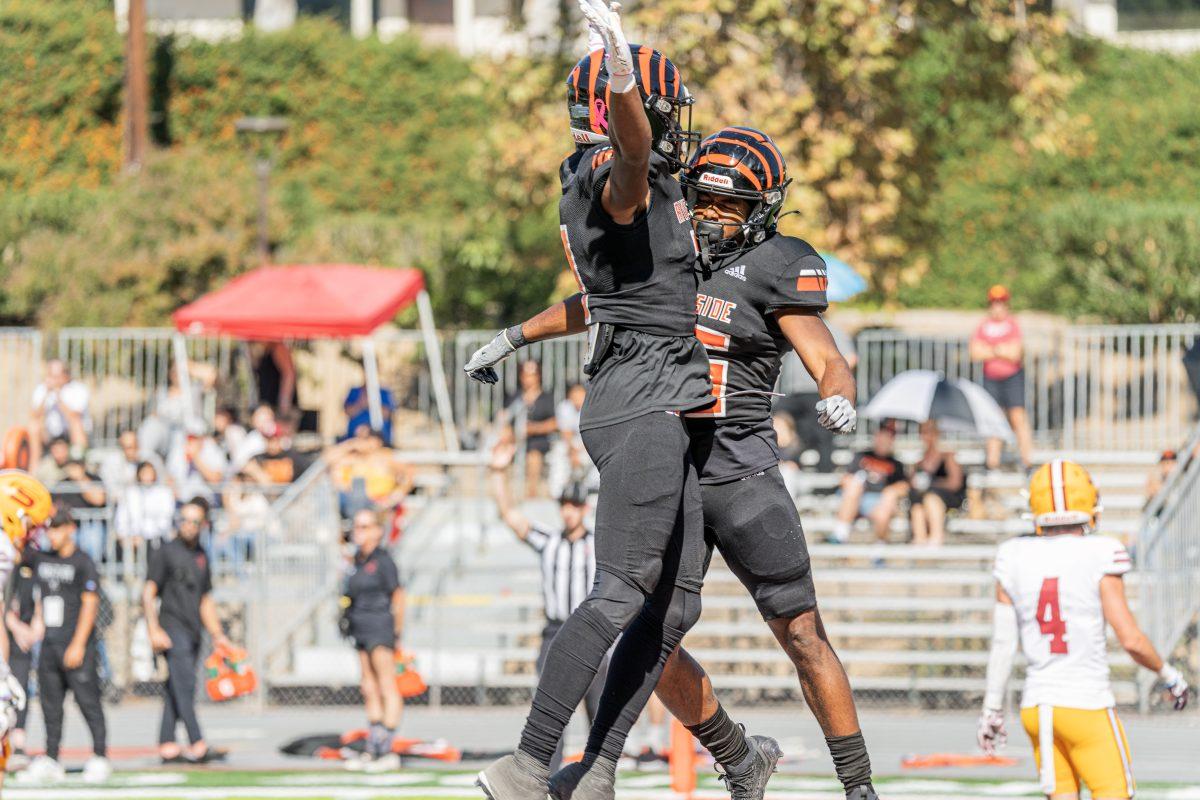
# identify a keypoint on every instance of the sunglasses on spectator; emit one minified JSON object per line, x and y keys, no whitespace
{"x":191,"y":520}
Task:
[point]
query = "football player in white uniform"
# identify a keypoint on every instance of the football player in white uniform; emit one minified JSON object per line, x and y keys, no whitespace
{"x":25,"y":505}
{"x":1055,"y":592}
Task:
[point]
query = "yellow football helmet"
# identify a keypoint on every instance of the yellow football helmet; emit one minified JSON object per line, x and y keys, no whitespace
{"x":25,"y":505}
{"x":1062,"y":493}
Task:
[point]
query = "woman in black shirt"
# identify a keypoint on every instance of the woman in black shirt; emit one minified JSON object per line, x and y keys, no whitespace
{"x":373,"y":609}
{"x":937,"y":485}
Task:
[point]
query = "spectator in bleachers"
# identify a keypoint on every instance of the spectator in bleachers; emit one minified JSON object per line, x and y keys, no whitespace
{"x":1160,"y":472}
{"x":247,"y":517}
{"x":358,"y":411}
{"x":145,"y":512}
{"x":83,"y":494}
{"x":938,"y":486}
{"x":275,"y":376}
{"x":367,"y":474}
{"x":227,"y":431}
{"x":566,"y":416}
{"x":531,"y":413}
{"x":276,"y":464}
{"x":873,"y":487}
{"x":53,"y":468}
{"x":196,"y":463}
{"x":263,"y":425}
{"x":59,"y":409}
{"x":118,"y":470}
{"x":998,"y":344}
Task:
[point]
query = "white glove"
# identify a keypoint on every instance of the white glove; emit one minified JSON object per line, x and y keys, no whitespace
{"x":605,"y":19}
{"x":480,"y":365}
{"x":837,"y":414}
{"x":991,"y":735}
{"x":12,"y":700}
{"x":1176,"y":685}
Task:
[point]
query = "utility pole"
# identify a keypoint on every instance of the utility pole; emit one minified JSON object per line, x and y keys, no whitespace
{"x":136,"y":88}
{"x":262,"y":135}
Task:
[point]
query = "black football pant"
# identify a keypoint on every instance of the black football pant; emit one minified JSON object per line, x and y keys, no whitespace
{"x":179,"y":699}
{"x":84,"y":682}
{"x":21,"y":664}
{"x":591,"y":700}
{"x":649,"y":542}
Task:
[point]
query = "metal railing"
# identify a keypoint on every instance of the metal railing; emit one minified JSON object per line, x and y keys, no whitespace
{"x":1167,"y":552}
{"x":1087,"y":387}
{"x":127,"y":369}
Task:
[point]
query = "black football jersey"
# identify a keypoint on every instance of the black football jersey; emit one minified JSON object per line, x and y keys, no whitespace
{"x":733,"y":437}
{"x":641,"y":279}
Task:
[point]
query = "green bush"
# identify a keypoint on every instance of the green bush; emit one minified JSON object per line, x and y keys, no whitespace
{"x":1122,"y":261}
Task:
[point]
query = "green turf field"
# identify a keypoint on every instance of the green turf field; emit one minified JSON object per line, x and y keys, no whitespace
{"x":437,"y":785}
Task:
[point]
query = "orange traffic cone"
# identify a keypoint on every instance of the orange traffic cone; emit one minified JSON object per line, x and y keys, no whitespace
{"x":683,"y":760}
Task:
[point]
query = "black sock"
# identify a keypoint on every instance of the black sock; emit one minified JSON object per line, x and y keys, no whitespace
{"x":571,"y":664}
{"x":722,"y":738}
{"x":850,"y":759}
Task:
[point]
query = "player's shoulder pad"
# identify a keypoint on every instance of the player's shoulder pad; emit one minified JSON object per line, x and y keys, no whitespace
{"x":578,"y":171}
{"x":790,"y":249}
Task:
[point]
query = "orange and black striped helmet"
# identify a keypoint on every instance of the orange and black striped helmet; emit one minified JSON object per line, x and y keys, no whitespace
{"x":739,"y":162}
{"x":665,"y":96}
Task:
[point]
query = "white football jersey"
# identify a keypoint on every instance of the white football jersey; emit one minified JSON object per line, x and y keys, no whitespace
{"x":1054,"y":584}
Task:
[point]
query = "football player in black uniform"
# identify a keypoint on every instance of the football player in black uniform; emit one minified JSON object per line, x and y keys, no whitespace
{"x":630,"y":244}
{"x":760,"y":296}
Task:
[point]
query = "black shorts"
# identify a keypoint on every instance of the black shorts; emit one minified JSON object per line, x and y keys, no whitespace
{"x":1008,"y":393}
{"x":754,"y":523}
{"x":949,"y":498}
{"x":371,"y":632}
{"x":649,"y":521}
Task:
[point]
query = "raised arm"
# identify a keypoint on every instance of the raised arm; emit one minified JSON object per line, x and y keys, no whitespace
{"x":813,"y":343}
{"x":627,"y":190}
{"x":502,"y":457}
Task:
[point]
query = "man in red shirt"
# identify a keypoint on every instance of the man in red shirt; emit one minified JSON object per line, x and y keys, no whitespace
{"x":997,"y":343}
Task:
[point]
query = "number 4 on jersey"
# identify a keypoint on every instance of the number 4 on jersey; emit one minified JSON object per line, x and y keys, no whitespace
{"x":1049,"y":617}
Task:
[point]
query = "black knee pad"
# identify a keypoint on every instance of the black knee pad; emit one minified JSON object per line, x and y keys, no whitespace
{"x":683,"y":611}
{"x":615,"y":600}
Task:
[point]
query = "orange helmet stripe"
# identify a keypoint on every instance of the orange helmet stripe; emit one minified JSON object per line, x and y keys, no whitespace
{"x":593,"y":74}
{"x":662,"y":74}
{"x":644,"y":66}
{"x":763,"y":138}
{"x":749,"y":149}
{"x":573,"y":81}
{"x":723,"y":160}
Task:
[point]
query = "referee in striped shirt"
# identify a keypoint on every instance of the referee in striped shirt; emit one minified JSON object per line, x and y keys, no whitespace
{"x":568,"y":557}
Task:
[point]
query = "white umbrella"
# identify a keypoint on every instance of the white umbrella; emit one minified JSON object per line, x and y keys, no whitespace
{"x":955,"y":404}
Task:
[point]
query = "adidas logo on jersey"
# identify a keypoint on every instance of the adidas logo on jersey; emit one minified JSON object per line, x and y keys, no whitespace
{"x":738,"y":272}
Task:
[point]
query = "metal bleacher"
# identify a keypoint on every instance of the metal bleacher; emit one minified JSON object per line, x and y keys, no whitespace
{"x":910,"y":623}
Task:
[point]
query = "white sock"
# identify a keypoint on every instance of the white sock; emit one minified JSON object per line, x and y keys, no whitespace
{"x":841,"y":531}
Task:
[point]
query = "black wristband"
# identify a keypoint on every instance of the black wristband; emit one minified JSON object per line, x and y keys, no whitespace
{"x":515,"y":337}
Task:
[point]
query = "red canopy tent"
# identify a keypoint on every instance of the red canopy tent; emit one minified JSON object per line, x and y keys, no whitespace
{"x":321,"y":301}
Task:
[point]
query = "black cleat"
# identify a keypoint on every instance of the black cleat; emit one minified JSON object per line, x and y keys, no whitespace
{"x":862,"y":793}
{"x":593,"y":778}
{"x":749,"y":782}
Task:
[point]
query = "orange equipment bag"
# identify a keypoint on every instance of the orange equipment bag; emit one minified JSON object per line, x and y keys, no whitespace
{"x":408,"y":681}
{"x":228,"y":674}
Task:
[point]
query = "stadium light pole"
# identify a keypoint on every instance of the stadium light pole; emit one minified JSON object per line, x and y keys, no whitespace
{"x":262,"y":134}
